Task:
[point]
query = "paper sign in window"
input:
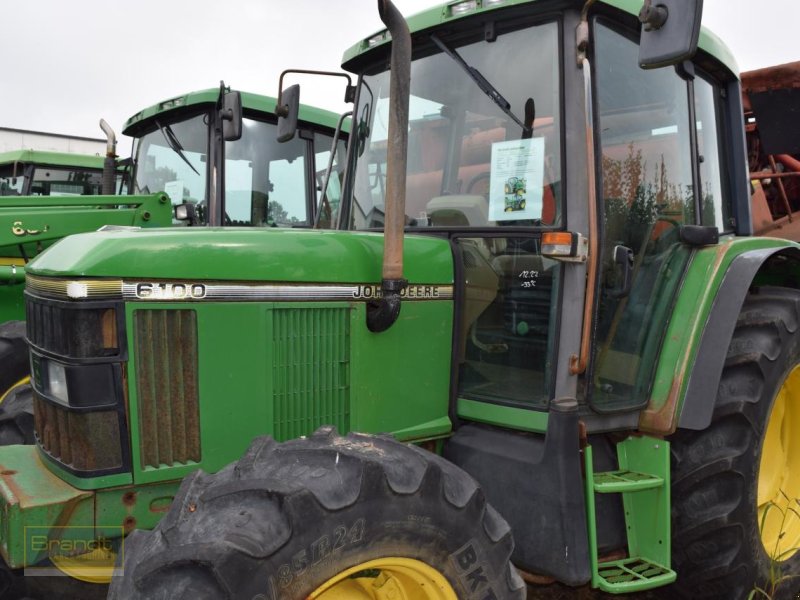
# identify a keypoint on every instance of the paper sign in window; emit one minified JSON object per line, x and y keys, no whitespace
{"x":515,"y":188}
{"x":174,"y":189}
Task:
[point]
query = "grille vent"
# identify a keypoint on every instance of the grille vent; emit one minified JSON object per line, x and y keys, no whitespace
{"x":311,"y":370}
{"x":166,"y":383}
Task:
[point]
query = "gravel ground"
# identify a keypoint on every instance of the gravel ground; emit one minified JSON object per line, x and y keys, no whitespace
{"x":562,"y":592}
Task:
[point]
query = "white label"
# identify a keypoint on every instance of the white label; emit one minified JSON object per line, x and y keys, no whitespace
{"x":516,"y":186}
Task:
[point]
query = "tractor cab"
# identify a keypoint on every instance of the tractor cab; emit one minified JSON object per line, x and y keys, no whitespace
{"x":40,"y":173}
{"x":242,"y":178}
{"x":497,"y":164}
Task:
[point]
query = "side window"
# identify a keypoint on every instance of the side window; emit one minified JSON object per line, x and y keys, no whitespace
{"x":508,"y":321}
{"x":265,"y":182}
{"x":287,"y":186}
{"x":716,"y":204}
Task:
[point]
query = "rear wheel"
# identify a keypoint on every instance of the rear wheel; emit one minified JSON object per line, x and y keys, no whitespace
{"x":14,"y":363}
{"x":736,"y":485}
{"x":328,"y":517}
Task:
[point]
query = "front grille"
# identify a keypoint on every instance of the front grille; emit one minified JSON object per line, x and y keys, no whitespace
{"x":165,"y":351}
{"x":82,"y":441}
{"x":74,"y":330}
{"x":311,"y":370}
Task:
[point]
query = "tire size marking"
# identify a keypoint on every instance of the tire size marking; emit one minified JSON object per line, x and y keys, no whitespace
{"x":469,"y":566}
{"x":316,"y":553}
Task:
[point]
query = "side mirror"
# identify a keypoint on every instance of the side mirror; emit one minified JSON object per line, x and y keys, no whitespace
{"x":670,"y":32}
{"x":186,"y":212}
{"x":287,"y":110}
{"x":232,"y":116}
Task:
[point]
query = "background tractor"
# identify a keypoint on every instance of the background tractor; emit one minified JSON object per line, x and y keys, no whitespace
{"x":213,"y":153}
{"x":612,"y":380}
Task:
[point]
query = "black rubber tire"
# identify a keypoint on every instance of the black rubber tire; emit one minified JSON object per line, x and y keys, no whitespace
{"x":16,"y":417}
{"x":14,"y":361}
{"x":288,"y":517}
{"x":716,"y":545}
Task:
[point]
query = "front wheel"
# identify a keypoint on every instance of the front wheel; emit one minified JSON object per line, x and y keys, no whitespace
{"x":327,"y":517}
{"x":736,"y":485}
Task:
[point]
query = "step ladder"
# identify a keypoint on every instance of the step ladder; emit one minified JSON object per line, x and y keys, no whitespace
{"x":643,"y":481}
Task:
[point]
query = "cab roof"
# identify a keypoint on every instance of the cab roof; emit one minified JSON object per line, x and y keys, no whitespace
{"x":445,"y":14}
{"x":52,"y":159}
{"x":250,"y":102}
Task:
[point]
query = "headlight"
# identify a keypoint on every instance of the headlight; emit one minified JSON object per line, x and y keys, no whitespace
{"x":56,"y":382}
{"x":76,"y":385}
{"x":463,"y":7}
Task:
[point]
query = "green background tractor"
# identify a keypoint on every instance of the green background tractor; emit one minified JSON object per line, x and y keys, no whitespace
{"x":181,"y":153}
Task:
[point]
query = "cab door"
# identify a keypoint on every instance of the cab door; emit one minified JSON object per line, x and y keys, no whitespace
{"x":647,"y":195}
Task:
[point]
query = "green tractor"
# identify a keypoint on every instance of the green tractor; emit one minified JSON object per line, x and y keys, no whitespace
{"x":43,"y":173}
{"x":515,"y":188}
{"x":239,"y":175}
{"x":611,"y":380}
{"x":43,"y":185}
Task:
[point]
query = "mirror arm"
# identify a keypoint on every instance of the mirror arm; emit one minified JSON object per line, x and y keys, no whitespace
{"x":349,"y":94}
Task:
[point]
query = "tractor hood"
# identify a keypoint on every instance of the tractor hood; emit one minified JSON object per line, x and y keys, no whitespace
{"x":285,"y":255}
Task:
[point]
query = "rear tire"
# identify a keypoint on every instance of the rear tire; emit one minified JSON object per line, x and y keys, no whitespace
{"x":289,"y":518}
{"x":717,"y":544}
{"x":14,"y":361}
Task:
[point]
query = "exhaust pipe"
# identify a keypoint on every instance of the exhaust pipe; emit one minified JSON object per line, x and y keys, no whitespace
{"x":110,"y":163}
{"x":382,"y":313}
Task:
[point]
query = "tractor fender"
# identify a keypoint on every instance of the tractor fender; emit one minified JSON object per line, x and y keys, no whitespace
{"x":701,"y":391}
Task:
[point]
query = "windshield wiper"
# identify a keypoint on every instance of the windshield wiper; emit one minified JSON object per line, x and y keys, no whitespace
{"x":173,"y":142}
{"x":486,"y":87}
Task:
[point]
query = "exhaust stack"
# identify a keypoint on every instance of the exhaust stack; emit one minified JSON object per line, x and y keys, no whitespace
{"x":110,"y":163}
{"x":382,"y":313}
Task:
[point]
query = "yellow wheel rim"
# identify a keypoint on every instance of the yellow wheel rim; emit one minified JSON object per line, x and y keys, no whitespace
{"x":387,"y":579}
{"x":96,"y":566}
{"x":23,"y":381}
{"x":779,"y":473}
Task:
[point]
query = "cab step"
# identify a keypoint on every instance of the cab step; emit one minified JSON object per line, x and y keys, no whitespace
{"x":614,"y":482}
{"x":632,"y":575}
{"x":643,"y":481}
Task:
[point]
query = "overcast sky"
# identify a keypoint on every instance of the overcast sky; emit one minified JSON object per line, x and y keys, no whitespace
{"x":68,"y":63}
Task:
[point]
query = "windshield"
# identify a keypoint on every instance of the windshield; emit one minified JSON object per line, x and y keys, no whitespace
{"x":159,"y":168}
{"x":266,"y":182}
{"x":470,"y":163}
